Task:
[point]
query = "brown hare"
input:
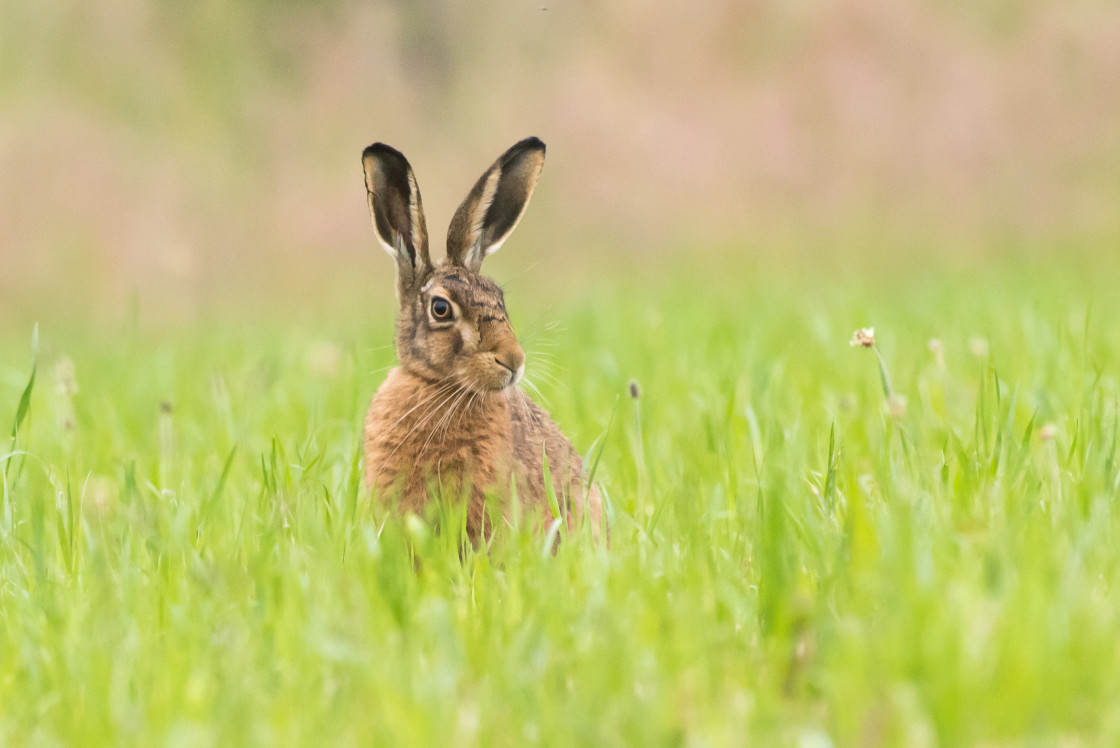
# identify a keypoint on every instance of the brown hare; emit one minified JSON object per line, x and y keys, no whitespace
{"x":450,"y":419}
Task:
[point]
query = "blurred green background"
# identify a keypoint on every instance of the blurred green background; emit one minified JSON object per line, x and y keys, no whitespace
{"x":173,"y":156}
{"x":801,"y":553}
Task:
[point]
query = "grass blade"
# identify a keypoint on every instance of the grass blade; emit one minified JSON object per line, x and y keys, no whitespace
{"x":25,"y":399}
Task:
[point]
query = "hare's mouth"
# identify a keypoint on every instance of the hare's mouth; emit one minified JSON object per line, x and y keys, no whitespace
{"x":488,"y":373}
{"x":514,"y":375}
{"x":499,"y":379}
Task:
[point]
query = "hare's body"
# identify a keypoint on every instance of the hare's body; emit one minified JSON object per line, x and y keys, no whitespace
{"x":416,"y":444}
{"x":449,"y":421}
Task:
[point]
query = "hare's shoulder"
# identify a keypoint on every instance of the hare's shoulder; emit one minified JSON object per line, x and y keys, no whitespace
{"x":527,"y":419}
{"x":533,"y":429}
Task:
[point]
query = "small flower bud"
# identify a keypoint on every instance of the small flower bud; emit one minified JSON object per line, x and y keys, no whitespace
{"x":863,"y":338}
{"x":635,"y":390}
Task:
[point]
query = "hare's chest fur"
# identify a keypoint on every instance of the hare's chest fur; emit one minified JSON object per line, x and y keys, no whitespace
{"x":422,"y":437}
{"x":419,"y":435}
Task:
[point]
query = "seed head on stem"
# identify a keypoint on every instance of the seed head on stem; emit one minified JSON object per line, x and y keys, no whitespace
{"x":864,"y":337}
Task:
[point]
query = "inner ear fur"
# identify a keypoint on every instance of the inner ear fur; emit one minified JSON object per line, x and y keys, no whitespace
{"x":494,"y":205}
{"x":398,"y":213}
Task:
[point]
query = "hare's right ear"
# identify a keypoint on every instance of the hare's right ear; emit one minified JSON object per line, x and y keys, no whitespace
{"x":398,"y":214}
{"x":494,"y":205}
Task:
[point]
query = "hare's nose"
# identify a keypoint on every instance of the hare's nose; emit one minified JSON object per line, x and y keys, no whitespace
{"x":512,"y":358}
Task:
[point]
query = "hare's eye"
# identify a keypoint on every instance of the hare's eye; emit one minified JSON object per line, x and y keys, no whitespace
{"x":441,"y":308}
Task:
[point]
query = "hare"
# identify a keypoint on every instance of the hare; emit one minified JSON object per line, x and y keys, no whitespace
{"x":450,"y":419}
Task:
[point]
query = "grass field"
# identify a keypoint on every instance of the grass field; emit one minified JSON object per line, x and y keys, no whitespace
{"x":187,"y":556}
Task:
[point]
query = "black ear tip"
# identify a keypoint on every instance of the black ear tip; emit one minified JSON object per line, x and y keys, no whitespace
{"x":381,"y":151}
{"x":531,"y":148}
{"x":531,"y":143}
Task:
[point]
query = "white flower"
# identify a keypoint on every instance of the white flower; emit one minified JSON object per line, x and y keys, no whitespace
{"x":864,"y":337}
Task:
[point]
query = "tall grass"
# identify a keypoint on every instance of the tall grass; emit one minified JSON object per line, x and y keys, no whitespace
{"x":188,"y":557}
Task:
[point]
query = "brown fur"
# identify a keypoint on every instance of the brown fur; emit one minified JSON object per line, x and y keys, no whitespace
{"x":450,"y":421}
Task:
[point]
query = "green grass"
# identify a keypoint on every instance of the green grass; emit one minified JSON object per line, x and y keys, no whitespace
{"x":187,"y":556}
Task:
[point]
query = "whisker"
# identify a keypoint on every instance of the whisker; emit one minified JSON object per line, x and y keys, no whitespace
{"x":428,"y":397}
{"x":547,"y":368}
{"x":552,"y":379}
{"x":380,"y":370}
{"x":375,"y":348}
{"x":445,"y":418}
{"x":456,"y":388}
{"x":543,"y":365}
{"x":518,"y":276}
{"x":463,"y":411}
{"x":540,"y":396}
{"x":435,"y":410}
{"x":542,"y":324}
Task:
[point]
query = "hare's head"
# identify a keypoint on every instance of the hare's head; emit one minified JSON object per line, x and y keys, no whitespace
{"x":452,"y":323}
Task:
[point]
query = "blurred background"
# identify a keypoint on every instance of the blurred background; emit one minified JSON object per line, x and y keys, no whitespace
{"x":180,"y":155}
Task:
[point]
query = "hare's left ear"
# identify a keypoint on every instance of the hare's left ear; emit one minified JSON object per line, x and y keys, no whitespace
{"x":398,"y":214}
{"x":494,"y":205}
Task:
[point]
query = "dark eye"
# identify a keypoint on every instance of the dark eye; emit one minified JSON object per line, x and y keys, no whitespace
{"x":441,"y":308}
